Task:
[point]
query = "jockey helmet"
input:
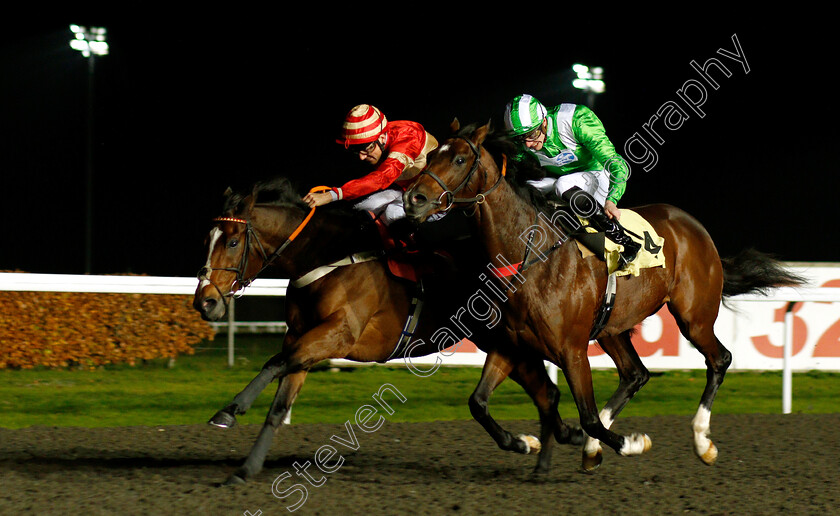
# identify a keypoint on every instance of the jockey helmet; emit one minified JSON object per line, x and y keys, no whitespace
{"x":523,"y":114}
{"x":363,"y":124}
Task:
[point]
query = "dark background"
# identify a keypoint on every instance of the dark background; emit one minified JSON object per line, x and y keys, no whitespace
{"x":182,"y":111}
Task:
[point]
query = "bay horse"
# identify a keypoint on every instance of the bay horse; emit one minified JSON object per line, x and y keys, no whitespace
{"x":355,"y":312}
{"x":554,"y":298}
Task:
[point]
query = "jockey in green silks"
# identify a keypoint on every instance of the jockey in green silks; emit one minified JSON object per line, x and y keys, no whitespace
{"x":582,"y":165}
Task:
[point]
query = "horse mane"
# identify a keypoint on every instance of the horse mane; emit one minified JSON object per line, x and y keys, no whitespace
{"x":521,"y":166}
{"x":277,"y":191}
{"x":353,"y":228}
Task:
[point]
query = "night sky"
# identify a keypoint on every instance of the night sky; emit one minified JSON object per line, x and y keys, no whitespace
{"x":180,"y":116}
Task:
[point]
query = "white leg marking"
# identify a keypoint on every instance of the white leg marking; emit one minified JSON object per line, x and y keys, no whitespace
{"x":701,"y":425}
{"x":532,"y":444}
{"x":635,"y":444}
{"x":592,"y":446}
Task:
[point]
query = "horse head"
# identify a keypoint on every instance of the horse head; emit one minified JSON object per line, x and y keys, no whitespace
{"x":455,"y":175}
{"x":245,"y":240}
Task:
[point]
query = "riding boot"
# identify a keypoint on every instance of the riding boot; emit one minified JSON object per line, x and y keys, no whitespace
{"x":586,"y":206}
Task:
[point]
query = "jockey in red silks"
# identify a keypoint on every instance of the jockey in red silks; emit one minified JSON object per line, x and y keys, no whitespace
{"x":398,"y":150}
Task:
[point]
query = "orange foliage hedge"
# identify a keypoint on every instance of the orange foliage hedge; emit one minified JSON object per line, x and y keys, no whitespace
{"x":68,"y":329}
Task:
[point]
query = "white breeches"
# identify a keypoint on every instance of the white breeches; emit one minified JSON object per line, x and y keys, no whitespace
{"x":386,"y":205}
{"x":595,"y":182}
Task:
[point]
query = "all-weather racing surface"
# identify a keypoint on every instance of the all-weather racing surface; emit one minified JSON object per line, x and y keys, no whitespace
{"x":770,"y":464}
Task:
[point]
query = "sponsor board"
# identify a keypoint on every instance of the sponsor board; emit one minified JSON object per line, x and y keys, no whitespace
{"x":752,"y":330}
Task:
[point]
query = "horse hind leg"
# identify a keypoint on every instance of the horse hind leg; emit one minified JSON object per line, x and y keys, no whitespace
{"x":285,"y":396}
{"x":698,"y":328}
{"x":633,"y":375}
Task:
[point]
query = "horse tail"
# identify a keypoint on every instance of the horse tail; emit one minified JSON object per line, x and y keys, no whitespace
{"x":754,"y":272}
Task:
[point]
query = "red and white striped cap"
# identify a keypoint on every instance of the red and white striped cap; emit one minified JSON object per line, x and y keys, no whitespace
{"x":363,"y":124}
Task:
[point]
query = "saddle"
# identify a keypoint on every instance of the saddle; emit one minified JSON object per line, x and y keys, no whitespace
{"x":401,"y":255}
{"x":414,"y":252}
{"x":592,"y":242}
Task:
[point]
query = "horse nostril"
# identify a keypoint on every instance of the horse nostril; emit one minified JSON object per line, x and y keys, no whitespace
{"x":419,"y":199}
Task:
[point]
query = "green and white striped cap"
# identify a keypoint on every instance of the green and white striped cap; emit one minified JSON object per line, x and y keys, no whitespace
{"x":523,"y":114}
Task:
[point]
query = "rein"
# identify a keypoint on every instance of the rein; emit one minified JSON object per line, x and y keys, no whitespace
{"x":250,"y":233}
{"x":520,"y":267}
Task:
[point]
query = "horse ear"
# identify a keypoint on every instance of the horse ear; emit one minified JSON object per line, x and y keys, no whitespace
{"x":228,"y":192}
{"x":251,"y":200}
{"x":455,"y":125}
{"x":480,"y":134}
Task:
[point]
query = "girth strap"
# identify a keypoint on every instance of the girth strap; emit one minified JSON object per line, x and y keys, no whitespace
{"x":320,"y":272}
{"x":603,"y":316}
{"x":411,"y":323}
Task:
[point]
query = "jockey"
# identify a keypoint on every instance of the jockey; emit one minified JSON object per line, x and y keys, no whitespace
{"x":584,"y":168}
{"x":397,"y":148}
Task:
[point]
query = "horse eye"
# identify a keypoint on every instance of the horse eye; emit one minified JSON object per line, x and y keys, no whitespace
{"x":233,"y":243}
{"x":460,"y":160}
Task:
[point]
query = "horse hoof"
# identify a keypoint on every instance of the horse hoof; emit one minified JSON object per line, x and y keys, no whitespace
{"x":234,"y":480}
{"x":538,"y":475}
{"x":590,"y":463}
{"x":574,"y":435}
{"x":578,"y":437}
{"x":532,"y":444}
{"x":710,"y":456}
{"x":222,"y":419}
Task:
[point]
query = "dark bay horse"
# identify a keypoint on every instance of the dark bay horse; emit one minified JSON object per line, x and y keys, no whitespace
{"x":553,"y":304}
{"x":355,"y":312}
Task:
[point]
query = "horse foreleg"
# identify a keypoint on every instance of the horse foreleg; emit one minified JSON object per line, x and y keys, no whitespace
{"x":287,"y":391}
{"x":633,"y":375}
{"x":497,"y":367}
{"x":273,"y":368}
{"x":532,"y":376}
{"x":579,"y":377}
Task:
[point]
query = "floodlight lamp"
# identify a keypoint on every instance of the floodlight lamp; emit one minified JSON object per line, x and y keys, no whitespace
{"x":89,"y":41}
{"x":580,"y":69}
{"x":597,"y":86}
{"x":99,"y":48}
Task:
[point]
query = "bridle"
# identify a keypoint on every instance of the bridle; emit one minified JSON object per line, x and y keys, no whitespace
{"x":238,"y":286}
{"x":499,"y":272}
{"x":451,"y":200}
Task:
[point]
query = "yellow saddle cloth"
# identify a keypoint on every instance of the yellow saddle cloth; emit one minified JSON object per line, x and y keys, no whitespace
{"x":640,"y":230}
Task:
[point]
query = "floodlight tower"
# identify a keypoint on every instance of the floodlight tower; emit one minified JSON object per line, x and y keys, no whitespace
{"x":91,"y":42}
{"x":590,"y":80}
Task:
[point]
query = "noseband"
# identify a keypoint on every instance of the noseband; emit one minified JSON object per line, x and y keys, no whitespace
{"x":450,"y":194}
